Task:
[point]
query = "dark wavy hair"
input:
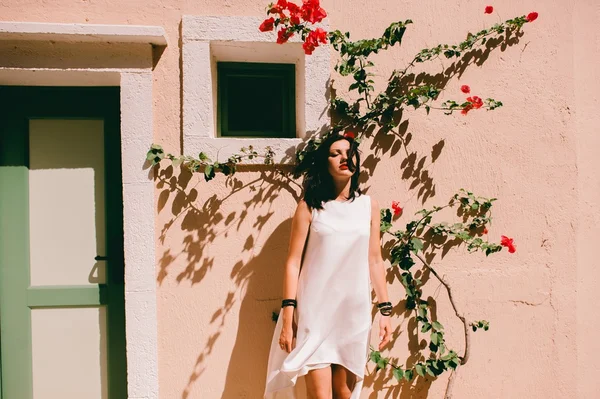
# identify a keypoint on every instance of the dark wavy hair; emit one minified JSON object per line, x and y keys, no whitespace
{"x":318,"y":183}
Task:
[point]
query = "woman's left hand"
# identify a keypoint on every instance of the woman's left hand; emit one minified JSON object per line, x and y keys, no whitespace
{"x":385,"y":331}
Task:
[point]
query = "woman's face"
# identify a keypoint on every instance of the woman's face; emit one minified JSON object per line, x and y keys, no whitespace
{"x":338,"y":158}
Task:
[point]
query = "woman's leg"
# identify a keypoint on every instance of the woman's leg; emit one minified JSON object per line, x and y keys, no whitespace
{"x":318,"y":383}
{"x":343,"y":382}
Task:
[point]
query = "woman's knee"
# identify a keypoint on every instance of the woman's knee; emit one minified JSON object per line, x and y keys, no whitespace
{"x":342,"y":382}
{"x":341,"y":392}
{"x":319,"y":393}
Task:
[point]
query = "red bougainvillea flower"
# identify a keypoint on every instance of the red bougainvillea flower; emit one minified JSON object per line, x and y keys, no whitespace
{"x":283,"y":35}
{"x":279,"y":8}
{"x":313,"y":39}
{"x":295,"y":13}
{"x":312,"y":11}
{"x":532,"y":16}
{"x":485,"y":230}
{"x":489,"y":9}
{"x":466,"y":109}
{"x":350,"y":135}
{"x":308,"y":47}
{"x":476,"y":101}
{"x":396,"y":207}
{"x":508,"y":242}
{"x":465,"y":89}
{"x":320,"y":35}
{"x":267,"y":25}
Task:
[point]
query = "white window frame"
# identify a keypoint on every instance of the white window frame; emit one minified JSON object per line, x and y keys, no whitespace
{"x":209,"y":39}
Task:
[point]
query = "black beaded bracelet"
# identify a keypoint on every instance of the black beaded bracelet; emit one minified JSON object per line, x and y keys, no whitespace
{"x":386,"y":311}
{"x":289,"y":302}
{"x":385,"y":308}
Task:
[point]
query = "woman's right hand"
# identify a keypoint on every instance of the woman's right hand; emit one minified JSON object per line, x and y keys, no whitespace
{"x":288,"y":331}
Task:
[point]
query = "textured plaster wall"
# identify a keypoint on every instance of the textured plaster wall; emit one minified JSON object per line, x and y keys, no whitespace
{"x":221,"y":246}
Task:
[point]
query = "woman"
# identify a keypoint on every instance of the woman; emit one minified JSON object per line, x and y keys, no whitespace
{"x":327,"y":283}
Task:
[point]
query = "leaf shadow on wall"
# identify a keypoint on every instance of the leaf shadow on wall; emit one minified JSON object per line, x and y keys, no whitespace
{"x":389,"y":141}
{"x":202,"y":224}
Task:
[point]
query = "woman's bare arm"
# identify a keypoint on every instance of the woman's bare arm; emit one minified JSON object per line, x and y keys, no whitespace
{"x":300,"y":224}
{"x":377,"y":272}
{"x":376,"y":264}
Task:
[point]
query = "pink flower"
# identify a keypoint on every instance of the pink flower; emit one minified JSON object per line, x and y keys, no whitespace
{"x":508,"y":242}
{"x":532,"y":16}
{"x":267,"y":25}
{"x":465,"y":89}
{"x":489,"y":9}
{"x":396,"y":207}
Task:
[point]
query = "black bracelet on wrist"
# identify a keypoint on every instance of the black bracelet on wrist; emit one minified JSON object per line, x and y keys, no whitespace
{"x":385,"y":308}
{"x":289,"y":302}
{"x":386,"y":311}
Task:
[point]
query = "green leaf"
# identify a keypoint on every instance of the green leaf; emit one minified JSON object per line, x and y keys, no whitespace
{"x":203,"y":157}
{"x":420,"y":369}
{"x":435,"y":338}
{"x":375,"y":356}
{"x":437,"y":326}
{"x":408,"y":375}
{"x":426,"y":327}
{"x":417,"y":244}
{"x":209,"y":172}
{"x":398,"y":374}
{"x":177,"y":162}
{"x":433,"y":347}
{"x":442,"y":349}
{"x":429,"y":371}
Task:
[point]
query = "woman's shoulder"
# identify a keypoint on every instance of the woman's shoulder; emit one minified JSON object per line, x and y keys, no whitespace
{"x":303,"y":210}
{"x":373,"y":202}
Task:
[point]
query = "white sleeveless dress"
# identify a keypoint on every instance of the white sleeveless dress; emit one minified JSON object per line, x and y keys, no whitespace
{"x":334,"y":300}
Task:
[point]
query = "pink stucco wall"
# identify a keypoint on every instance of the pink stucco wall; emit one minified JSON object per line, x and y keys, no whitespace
{"x":221,"y":245}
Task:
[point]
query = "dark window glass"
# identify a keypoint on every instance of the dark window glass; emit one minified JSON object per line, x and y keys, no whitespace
{"x":256,"y":100}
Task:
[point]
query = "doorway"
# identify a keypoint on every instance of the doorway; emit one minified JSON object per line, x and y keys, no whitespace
{"x":62,"y":318}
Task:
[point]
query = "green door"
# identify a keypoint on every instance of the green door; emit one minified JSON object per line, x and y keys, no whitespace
{"x":62,"y":318}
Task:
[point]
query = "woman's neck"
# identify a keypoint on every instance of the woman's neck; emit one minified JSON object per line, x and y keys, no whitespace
{"x":342,"y":189}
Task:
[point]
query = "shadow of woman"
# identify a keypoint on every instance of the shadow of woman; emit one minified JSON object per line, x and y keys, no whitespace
{"x":262,"y":284}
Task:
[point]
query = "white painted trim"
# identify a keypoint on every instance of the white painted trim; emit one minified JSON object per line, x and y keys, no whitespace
{"x":83,"y":32}
{"x":208,"y":39}
{"x":141,"y":323}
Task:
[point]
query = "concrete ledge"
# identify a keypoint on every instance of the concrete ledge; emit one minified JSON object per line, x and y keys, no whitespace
{"x":154,"y":35}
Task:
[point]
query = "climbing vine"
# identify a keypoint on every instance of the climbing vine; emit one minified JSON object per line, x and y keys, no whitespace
{"x":378,"y":110}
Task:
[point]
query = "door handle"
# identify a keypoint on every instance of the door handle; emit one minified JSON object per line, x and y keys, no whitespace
{"x":98,"y":257}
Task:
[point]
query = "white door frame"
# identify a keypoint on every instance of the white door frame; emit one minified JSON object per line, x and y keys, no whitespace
{"x":136,"y":137}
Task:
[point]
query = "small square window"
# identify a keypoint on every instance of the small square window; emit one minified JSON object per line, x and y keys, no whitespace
{"x":256,"y":100}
